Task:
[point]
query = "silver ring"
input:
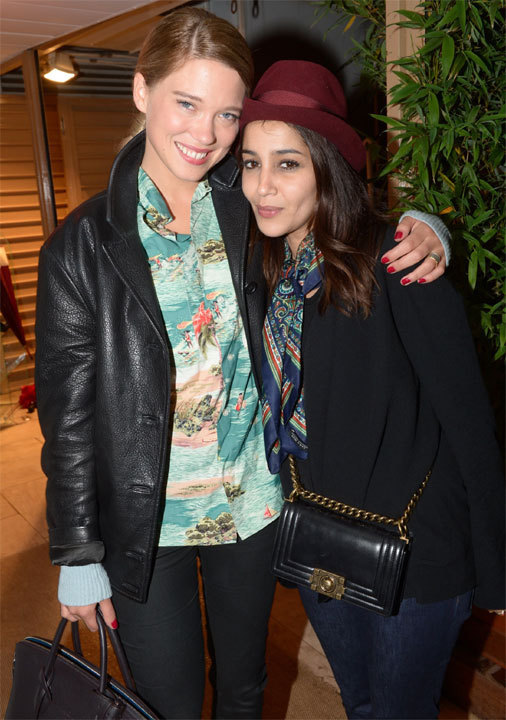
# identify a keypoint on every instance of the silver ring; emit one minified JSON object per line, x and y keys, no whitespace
{"x":434,"y":256}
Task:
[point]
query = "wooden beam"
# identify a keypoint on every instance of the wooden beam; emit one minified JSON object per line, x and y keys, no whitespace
{"x":94,"y":35}
{"x":40,"y":144}
{"x":400,"y":42}
{"x":11,"y":64}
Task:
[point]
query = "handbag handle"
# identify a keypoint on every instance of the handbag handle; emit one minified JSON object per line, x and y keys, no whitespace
{"x":340,"y":507}
{"x":103,"y":629}
{"x":117,"y":646}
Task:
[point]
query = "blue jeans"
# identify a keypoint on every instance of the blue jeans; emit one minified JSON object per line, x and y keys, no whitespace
{"x":389,"y":667}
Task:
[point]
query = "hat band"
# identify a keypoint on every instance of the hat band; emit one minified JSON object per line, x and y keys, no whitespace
{"x":286,"y":97}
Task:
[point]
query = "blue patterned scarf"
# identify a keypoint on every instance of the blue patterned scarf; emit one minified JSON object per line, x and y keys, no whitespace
{"x":283,"y":413}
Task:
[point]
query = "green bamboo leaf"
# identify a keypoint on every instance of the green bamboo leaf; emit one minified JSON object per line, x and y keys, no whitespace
{"x":472,"y":269}
{"x":486,"y":321}
{"x":431,"y":45}
{"x":448,"y":53}
{"x":469,"y":172}
{"x":482,"y":261}
{"x":476,"y":16}
{"x":447,"y":180}
{"x":472,"y":115}
{"x":472,"y":56}
{"x":403,"y":91}
{"x":413,"y":16}
{"x":493,"y":9}
{"x":481,"y":218}
{"x":459,"y":63}
{"x":492,"y":117}
{"x":389,"y":120}
{"x":451,"y":15}
{"x":448,"y":140}
{"x":403,"y":76}
{"x":461,"y":12}
{"x":492,"y":257}
{"x":403,"y":150}
{"x":433,"y":109}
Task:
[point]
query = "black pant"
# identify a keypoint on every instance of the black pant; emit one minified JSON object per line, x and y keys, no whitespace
{"x":163,"y":637}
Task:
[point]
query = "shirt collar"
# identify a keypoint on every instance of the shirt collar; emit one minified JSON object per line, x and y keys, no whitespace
{"x":156,"y":212}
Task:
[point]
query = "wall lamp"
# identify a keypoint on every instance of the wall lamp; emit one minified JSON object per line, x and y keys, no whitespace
{"x":59,"y":67}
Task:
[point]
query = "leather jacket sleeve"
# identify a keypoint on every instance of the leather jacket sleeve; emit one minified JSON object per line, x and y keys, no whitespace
{"x":65,"y":385}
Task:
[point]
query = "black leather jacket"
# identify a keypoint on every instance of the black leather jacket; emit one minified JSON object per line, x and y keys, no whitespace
{"x":103,"y":372}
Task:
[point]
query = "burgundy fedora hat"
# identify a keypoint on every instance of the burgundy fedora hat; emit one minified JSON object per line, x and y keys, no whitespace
{"x":306,"y":94}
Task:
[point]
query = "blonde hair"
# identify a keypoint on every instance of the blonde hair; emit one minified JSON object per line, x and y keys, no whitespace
{"x":189,"y":33}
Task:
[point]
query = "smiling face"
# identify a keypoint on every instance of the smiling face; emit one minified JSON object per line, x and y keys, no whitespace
{"x":278,"y":180}
{"x":191,"y":120}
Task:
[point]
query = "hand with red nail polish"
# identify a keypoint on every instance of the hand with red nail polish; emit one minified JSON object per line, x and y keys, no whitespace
{"x":405,"y":281}
{"x":414,"y":240}
{"x":88,"y":614}
{"x":422,"y":280}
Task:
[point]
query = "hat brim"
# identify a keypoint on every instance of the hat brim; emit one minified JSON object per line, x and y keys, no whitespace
{"x":330,"y":126}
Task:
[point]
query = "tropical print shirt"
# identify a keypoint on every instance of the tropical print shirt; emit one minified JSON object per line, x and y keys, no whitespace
{"x":218,"y":486}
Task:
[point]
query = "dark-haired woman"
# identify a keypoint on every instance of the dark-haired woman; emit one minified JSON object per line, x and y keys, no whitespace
{"x":368,"y":386}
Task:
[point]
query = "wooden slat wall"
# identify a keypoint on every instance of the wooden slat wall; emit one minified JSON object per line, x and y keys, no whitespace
{"x":84,"y":136}
{"x":20,"y":219}
{"x":92,"y":131}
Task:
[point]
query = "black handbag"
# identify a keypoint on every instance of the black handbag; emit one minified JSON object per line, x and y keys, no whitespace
{"x":343,"y":552}
{"x":53,"y":682}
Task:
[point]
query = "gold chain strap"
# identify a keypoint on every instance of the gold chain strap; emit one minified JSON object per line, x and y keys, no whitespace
{"x":339,"y":507}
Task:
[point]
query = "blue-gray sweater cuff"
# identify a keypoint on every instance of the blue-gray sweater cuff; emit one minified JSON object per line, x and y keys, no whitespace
{"x":436,"y":224}
{"x":83,"y":584}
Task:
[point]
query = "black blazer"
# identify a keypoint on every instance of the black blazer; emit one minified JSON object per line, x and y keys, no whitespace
{"x":391,"y":396}
{"x":103,"y":369}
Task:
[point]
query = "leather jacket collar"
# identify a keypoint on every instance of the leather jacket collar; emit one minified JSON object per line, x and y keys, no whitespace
{"x":122,"y":189}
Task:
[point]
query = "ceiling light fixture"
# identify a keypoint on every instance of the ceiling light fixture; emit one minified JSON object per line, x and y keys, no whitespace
{"x":59,"y":67}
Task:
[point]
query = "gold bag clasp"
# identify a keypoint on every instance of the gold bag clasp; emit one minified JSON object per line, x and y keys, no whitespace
{"x":327,"y":583}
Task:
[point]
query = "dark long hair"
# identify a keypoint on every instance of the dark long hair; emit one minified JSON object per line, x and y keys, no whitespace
{"x":345,"y":229}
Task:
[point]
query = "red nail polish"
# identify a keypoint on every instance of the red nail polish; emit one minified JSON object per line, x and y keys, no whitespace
{"x":114,"y":624}
{"x":405,"y":281}
{"x":397,"y":235}
{"x":385,"y":260}
{"x":422,"y":280}
{"x":390,"y":269}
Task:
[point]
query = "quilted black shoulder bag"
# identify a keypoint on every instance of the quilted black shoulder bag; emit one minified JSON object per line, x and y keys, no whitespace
{"x":343,"y":552}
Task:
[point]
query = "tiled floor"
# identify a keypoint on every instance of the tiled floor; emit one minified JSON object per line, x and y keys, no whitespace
{"x":300,"y":677}
{"x":22,"y":485}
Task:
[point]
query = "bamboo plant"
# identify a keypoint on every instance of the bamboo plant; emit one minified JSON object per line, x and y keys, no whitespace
{"x":450,"y":157}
